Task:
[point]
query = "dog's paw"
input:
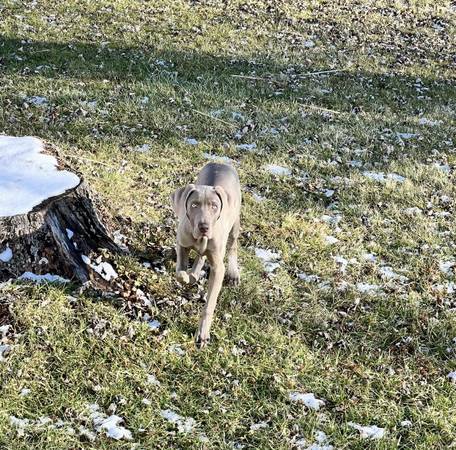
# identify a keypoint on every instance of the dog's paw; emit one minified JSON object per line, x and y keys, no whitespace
{"x":233,"y":277}
{"x":183,"y":277}
{"x":202,"y":336}
{"x":193,"y":279}
{"x":202,"y":342}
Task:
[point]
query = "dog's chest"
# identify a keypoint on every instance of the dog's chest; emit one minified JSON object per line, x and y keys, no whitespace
{"x":190,"y":242}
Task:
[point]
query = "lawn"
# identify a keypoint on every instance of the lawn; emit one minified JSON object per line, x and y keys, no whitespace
{"x":340,"y":119}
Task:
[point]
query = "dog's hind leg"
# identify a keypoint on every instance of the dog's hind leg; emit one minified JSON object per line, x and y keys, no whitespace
{"x":233,"y":276}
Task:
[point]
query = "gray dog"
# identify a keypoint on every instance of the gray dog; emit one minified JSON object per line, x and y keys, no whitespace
{"x":209,"y":214}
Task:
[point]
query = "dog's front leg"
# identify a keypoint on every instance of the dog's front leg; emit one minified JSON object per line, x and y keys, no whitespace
{"x":214,"y":286}
{"x":182,"y":264}
{"x":195,"y":271}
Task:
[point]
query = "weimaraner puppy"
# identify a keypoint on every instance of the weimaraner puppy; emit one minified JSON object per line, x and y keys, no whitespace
{"x":209,"y":214}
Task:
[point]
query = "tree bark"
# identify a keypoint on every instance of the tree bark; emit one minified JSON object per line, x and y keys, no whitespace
{"x":54,"y":237}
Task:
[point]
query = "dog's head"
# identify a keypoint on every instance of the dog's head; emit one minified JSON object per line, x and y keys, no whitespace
{"x":201,"y":205}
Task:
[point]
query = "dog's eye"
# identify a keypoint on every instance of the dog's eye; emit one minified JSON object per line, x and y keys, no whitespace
{"x":194,"y":205}
{"x":214,"y":206}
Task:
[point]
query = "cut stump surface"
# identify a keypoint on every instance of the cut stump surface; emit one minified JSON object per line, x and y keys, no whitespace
{"x":48,"y":220}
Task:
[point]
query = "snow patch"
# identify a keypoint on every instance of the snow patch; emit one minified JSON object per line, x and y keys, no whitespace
{"x":24,"y":392}
{"x":387,"y":273}
{"x":331,"y":240}
{"x":49,"y":278}
{"x":153,"y":324}
{"x":308,"y":278}
{"x":152,"y":380}
{"x":278,"y":170}
{"x":19,"y":424}
{"x":446,"y":266}
{"x":4,"y":350}
{"x":445,"y":168}
{"x":321,"y":442}
{"x":203,"y":438}
{"x":120,"y":239}
{"x":43,"y":261}
{"x":191,"y":141}
{"x":370,"y":432}
{"x":86,"y":259}
{"x":331,"y":220}
{"x":445,"y":199}
{"x":431,"y":123}
{"x":308,"y":399}
{"x":184,"y":424}
{"x":163,"y":63}
{"x":258,"y":426}
{"x":6,"y":255}
{"x":237,"y":116}
{"x":343,"y":262}
{"x":366,"y":288}
{"x":248,"y":147}
{"x":369,"y":257}
{"x":28,"y":176}
{"x":257,"y":197}
{"x":382,"y":178}
{"x":37,"y":100}
{"x":90,"y":105}
{"x":109,"y":425}
{"x":328,"y":192}
{"x":448,"y":288}
{"x":90,"y":435}
{"x":406,"y":135}
{"x":104,"y":269}
{"x":23,"y":425}
{"x":176,"y":349}
{"x":142,"y":148}
{"x":414,"y":211}
{"x":270,"y":259}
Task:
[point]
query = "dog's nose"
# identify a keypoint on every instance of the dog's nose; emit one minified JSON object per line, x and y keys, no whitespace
{"x":203,"y":227}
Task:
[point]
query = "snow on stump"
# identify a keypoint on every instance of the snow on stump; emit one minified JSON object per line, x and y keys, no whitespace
{"x":48,"y":220}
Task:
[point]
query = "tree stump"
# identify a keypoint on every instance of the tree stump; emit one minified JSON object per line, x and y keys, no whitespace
{"x":48,"y":220}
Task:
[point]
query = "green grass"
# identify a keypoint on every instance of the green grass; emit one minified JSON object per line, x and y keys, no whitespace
{"x":375,"y":359}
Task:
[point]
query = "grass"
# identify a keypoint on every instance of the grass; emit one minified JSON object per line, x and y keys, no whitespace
{"x":160,"y":72}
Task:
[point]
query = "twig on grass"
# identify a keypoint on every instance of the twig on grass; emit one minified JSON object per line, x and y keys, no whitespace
{"x":250,"y":77}
{"x":304,"y":75}
{"x":214,"y":118}
{"x":90,"y":160}
{"x":321,"y":72}
{"x":320,"y":108}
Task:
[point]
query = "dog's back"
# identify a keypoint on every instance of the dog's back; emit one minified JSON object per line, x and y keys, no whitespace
{"x":216,"y":174}
{"x":213,"y":174}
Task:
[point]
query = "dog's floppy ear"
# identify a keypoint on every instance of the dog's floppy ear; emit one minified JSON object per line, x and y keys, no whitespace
{"x":179,"y":198}
{"x":224,"y":197}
